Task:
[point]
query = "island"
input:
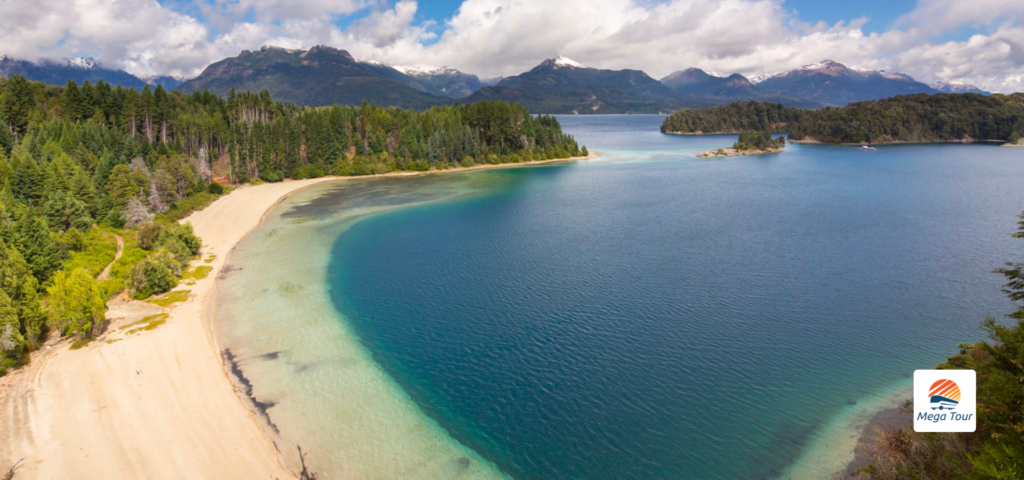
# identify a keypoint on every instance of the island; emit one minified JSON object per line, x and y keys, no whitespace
{"x":918,"y":118}
{"x":752,"y":143}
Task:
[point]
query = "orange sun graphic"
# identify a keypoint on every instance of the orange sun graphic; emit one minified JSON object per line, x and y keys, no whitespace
{"x":945,"y":388}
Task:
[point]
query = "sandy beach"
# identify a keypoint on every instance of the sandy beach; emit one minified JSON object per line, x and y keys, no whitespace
{"x":149,"y":403}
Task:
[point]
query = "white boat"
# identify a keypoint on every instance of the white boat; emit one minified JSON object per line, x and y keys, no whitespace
{"x":867,"y":147}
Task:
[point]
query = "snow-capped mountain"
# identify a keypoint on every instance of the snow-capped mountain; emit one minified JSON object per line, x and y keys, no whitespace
{"x":833,"y":83}
{"x":444,"y":81}
{"x":563,"y":61}
{"x":563,"y":85}
{"x":957,"y":87}
{"x":56,"y":72}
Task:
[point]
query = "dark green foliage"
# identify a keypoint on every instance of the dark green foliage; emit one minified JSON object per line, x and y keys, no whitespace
{"x":156,"y":274}
{"x":215,"y":188}
{"x":148,"y":235}
{"x":733,"y":118}
{"x":909,"y":118}
{"x":758,"y":141}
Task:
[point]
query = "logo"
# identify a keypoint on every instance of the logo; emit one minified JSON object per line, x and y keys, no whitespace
{"x":944,"y":394}
{"x":944,"y":401}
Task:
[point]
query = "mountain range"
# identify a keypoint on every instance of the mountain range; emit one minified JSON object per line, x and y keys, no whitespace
{"x":80,"y":70}
{"x":561,"y":85}
{"x":324,"y":75}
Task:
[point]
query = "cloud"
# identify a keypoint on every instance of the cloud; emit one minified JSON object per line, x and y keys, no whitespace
{"x":506,"y":37}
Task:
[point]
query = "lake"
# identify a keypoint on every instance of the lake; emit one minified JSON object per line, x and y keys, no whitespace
{"x":645,"y":314}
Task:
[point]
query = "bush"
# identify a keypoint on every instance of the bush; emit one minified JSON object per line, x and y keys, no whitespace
{"x":149,"y":234}
{"x":468,"y":161}
{"x":215,"y":188}
{"x":157,"y":274}
{"x":74,"y":240}
{"x":184,"y":235}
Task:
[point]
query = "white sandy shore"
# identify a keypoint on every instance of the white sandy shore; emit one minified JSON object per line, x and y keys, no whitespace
{"x":152,"y":404}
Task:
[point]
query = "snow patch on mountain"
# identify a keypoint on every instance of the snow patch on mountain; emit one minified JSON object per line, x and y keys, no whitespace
{"x":563,"y":61}
{"x":81,"y":62}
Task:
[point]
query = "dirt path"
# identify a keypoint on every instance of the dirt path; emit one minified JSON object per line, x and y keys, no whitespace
{"x":106,"y":270}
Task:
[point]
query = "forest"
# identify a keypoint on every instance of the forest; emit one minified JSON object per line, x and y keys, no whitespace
{"x":82,"y":166}
{"x":906,"y":118}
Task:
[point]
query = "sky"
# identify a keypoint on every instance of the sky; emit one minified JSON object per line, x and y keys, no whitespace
{"x":980,"y":42}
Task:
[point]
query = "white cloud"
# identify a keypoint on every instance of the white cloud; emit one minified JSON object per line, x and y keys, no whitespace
{"x":506,"y":37}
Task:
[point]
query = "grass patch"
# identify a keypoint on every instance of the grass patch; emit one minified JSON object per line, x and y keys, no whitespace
{"x":119,"y":271}
{"x":196,"y":274}
{"x":301,"y":220}
{"x":273,"y":232}
{"x":113,"y":341}
{"x":99,"y":251}
{"x":210,"y":259}
{"x":148,"y":323}
{"x":75,"y":345}
{"x":170,"y":298}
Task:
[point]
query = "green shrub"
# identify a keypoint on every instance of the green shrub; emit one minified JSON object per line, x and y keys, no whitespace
{"x":148,"y":235}
{"x":215,"y":188}
{"x":184,"y":234}
{"x":157,"y":274}
{"x":74,"y":240}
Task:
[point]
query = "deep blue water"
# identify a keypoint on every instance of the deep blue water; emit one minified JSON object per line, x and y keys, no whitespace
{"x":652,"y":315}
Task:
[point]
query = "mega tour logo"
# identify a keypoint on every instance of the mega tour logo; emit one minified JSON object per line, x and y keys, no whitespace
{"x":944,"y":401}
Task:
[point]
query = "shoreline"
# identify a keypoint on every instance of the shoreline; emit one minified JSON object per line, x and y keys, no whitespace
{"x":842,"y":444}
{"x":813,"y":141}
{"x":163,"y":403}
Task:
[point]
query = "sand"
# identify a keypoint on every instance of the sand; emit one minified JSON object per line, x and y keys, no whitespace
{"x":155,"y":403}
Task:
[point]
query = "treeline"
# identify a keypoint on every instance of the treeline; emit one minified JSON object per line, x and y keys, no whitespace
{"x":906,"y":118}
{"x":735,"y":117}
{"x":996,"y":449}
{"x":275,"y":141}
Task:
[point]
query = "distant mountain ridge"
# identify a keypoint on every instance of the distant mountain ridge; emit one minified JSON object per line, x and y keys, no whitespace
{"x":697,"y":83}
{"x":59,"y":72}
{"x":318,"y":76}
{"x":563,"y":85}
{"x":324,"y":75}
{"x":957,"y":87}
{"x":443,"y":82}
{"x":833,"y":83}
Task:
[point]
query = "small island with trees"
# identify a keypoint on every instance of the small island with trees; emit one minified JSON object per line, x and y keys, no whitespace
{"x":752,"y":143}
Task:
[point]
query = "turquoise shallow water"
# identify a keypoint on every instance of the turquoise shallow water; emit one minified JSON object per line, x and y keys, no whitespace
{"x":652,"y":315}
{"x":642,"y":315}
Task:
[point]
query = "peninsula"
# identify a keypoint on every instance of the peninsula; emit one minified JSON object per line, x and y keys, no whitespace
{"x":919,"y":118}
